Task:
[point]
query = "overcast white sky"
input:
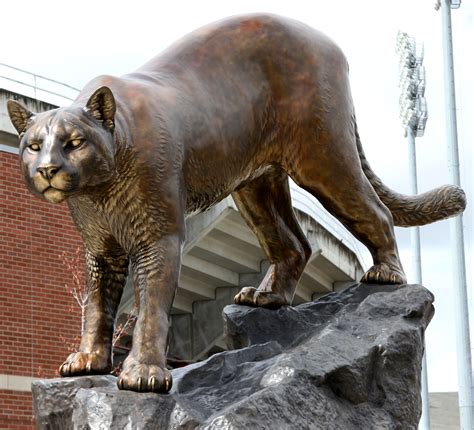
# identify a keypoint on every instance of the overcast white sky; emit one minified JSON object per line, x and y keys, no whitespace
{"x":74,"y":41}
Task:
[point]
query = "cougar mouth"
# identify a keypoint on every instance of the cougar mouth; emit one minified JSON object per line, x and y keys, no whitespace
{"x":47,"y":187}
{"x":61,"y":184}
{"x":54,"y":195}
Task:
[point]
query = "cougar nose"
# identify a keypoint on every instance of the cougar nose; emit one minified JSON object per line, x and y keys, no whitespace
{"x":48,"y":171}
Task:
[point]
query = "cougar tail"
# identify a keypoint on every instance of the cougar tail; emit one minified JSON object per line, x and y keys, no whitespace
{"x":443,"y":202}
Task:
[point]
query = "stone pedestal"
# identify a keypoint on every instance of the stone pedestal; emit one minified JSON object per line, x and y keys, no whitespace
{"x":349,"y":360}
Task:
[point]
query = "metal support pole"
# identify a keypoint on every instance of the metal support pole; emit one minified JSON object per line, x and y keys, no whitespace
{"x":415,"y":231}
{"x":461,"y":314}
{"x":414,"y":114}
{"x":425,"y":423}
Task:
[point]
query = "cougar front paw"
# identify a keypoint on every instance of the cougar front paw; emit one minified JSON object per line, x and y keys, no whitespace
{"x":250,"y":296}
{"x":383,"y":274}
{"x":144,"y":377}
{"x":85,"y":363}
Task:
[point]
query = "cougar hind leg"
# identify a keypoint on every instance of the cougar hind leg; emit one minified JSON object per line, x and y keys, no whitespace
{"x":265,"y":204}
{"x":335,"y":177}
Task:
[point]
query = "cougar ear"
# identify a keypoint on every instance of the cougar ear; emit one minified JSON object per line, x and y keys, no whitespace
{"x":101,"y":105}
{"x":19,"y":115}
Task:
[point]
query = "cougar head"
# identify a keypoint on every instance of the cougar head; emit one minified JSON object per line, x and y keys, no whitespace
{"x":66,"y":151}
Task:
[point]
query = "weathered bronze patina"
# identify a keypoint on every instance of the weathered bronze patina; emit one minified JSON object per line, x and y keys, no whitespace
{"x":236,"y":108}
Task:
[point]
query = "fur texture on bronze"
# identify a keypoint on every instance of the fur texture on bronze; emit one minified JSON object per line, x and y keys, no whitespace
{"x":236,"y":108}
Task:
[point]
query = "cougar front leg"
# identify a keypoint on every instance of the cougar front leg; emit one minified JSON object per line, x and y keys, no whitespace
{"x":156,"y":271}
{"x":106,"y":280}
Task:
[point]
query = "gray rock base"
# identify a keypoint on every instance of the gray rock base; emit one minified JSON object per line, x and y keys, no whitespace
{"x":346,"y":361}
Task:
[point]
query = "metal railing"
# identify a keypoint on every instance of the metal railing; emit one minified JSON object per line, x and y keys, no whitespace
{"x":35,"y":85}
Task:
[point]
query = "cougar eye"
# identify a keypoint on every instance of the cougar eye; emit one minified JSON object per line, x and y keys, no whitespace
{"x":74,"y":143}
{"x":34,"y":146}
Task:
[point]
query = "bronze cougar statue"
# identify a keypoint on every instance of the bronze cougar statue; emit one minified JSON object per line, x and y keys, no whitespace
{"x":236,"y":108}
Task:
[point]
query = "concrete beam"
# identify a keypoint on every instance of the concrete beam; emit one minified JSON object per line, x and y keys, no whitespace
{"x":32,"y":104}
{"x":182,"y":305}
{"x":207,"y":272}
{"x":192,"y":288}
{"x":199,"y":225}
{"x":235,"y":226}
{"x":304,"y":293}
{"x":225,"y":255}
{"x":317,"y":279}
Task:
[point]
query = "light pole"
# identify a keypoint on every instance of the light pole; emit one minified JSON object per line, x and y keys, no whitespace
{"x":463,"y":343}
{"x":414,"y":114}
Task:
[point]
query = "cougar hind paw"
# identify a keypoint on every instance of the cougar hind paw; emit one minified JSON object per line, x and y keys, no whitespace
{"x":250,"y":296}
{"x":383,"y":274}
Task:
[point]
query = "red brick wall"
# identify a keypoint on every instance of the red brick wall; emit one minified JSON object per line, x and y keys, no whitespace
{"x":15,"y":410}
{"x":35,"y":308}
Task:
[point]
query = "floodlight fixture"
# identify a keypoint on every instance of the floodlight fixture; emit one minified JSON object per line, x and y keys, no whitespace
{"x":412,"y":83}
{"x":453,"y":4}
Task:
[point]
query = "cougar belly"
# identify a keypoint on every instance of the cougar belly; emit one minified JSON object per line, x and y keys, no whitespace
{"x":202,"y":198}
